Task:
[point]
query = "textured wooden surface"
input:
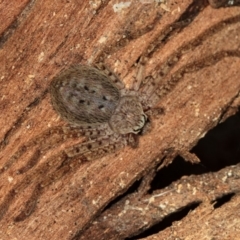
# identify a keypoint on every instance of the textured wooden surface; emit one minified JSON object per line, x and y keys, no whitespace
{"x":191,"y":46}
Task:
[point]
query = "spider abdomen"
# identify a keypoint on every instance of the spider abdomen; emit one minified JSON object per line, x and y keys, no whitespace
{"x":84,"y":95}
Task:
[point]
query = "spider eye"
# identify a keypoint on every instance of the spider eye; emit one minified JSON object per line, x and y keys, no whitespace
{"x":141,"y":122}
{"x":136,"y":130}
{"x":145,"y":117}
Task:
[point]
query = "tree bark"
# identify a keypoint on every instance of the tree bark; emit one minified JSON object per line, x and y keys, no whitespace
{"x":194,"y":50}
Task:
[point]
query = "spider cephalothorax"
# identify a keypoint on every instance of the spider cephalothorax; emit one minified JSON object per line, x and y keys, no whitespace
{"x":128,"y":116}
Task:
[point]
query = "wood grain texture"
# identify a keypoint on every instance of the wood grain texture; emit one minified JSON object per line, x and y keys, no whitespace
{"x":193,"y":48}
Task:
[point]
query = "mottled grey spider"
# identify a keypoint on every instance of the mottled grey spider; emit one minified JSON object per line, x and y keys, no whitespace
{"x":97,"y":103}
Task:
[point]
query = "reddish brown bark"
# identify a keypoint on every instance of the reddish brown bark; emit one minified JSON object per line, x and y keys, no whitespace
{"x":195,"y":50}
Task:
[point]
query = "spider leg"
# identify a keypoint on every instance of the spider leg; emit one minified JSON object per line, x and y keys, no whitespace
{"x":132,"y":140}
{"x":140,"y":75}
{"x":148,"y":90}
{"x":114,"y":78}
{"x":52,"y":138}
{"x":146,"y":86}
{"x":67,"y":161}
{"x":90,"y":132}
{"x":156,"y":86}
{"x":152,"y":112}
{"x":162,"y":90}
{"x":97,"y":147}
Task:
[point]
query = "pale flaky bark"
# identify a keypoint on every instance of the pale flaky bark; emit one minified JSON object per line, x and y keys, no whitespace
{"x":191,"y":47}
